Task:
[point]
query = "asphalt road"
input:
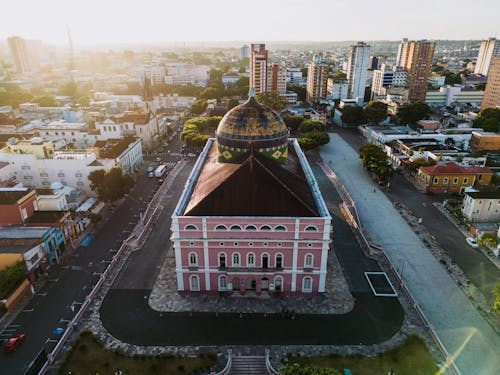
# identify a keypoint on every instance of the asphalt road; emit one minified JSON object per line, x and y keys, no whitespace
{"x":79,"y":270}
{"x":126,"y":314}
{"x":478,"y":269}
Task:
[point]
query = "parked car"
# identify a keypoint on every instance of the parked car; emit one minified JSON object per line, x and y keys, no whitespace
{"x":472,"y":242}
{"x":158,"y":160}
{"x":14,"y":342}
{"x":150,"y":169}
{"x":151,"y":174}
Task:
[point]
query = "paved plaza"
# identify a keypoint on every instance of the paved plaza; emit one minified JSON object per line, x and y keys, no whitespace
{"x":337,"y":299}
{"x":463,"y":331}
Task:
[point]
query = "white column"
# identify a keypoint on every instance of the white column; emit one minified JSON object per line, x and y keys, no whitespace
{"x":178,"y":265}
{"x":295,"y":255}
{"x":322,"y":271}
{"x":205,"y":254}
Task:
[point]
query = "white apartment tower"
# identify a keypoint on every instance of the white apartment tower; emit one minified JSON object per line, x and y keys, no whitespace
{"x":489,"y":49}
{"x":357,"y":69}
{"x":258,"y":67}
{"x":317,"y":77}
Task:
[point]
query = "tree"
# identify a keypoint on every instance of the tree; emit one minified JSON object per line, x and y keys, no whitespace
{"x":68,"y":89}
{"x":12,"y":95}
{"x":45,"y":101}
{"x":198,"y":130}
{"x":452,"y":78}
{"x":339,"y":75}
{"x":112,"y":185}
{"x":413,"y":112}
{"x":299,"y":90}
{"x":488,"y":119}
{"x":376,"y":160}
{"x":307,"y":126}
{"x":84,"y":101}
{"x":272,"y":99}
{"x":199,"y":106}
{"x":10,"y":277}
{"x":496,"y":301}
{"x":292,"y":122}
{"x":376,"y":111}
{"x":353,"y":115}
{"x":296,"y":369}
{"x":242,"y":85}
{"x":232,"y":103}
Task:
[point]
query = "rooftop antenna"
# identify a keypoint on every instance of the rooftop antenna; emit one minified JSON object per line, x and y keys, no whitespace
{"x":70,"y":44}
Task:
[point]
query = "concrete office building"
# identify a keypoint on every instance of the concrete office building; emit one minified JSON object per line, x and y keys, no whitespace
{"x":357,"y":70}
{"x":26,"y":53}
{"x":244,"y":52}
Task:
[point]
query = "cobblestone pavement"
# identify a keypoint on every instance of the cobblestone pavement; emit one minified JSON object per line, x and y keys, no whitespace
{"x":463,"y":331}
{"x":337,"y":300}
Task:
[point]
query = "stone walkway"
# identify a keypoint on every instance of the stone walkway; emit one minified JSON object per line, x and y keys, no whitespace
{"x":463,"y":331}
{"x":337,"y":299}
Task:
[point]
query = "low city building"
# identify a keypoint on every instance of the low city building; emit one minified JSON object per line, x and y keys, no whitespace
{"x":448,"y":95}
{"x":450,"y":177}
{"x":482,"y":206}
{"x":485,"y":141}
{"x":16,"y":205}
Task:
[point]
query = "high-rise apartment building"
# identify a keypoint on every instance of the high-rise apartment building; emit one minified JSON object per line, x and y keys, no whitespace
{"x":276,"y":78}
{"x":492,"y":92}
{"x":317,"y":75}
{"x":487,"y":51}
{"x":416,"y":58}
{"x":244,"y":52}
{"x":26,"y":53}
{"x":357,"y":69}
{"x":258,"y":67}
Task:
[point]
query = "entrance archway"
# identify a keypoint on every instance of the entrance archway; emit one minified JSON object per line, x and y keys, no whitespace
{"x":278,"y":284}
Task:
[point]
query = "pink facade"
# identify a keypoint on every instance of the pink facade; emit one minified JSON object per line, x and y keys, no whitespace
{"x":245,"y":254}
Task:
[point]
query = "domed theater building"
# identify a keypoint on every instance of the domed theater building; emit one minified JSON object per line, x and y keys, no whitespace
{"x":251,"y":218}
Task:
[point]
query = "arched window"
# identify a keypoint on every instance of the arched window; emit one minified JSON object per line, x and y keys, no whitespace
{"x":222,"y":260}
{"x":193,"y":259}
{"x":235,"y":227}
{"x":220,"y":227}
{"x":222,"y":283}
{"x":278,"y":284}
{"x":236,"y":259}
{"x":311,"y":228}
{"x":265,"y":228}
{"x":280,"y":228}
{"x":279,"y":261}
{"x":308,"y":261}
{"x":265,"y":260}
{"x":190,"y":227}
{"x":251,"y":228}
{"x":251,"y":260}
{"x":194,"y":283}
{"x":307,"y":284}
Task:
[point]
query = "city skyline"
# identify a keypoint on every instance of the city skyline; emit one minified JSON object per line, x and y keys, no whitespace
{"x":195,"y":21}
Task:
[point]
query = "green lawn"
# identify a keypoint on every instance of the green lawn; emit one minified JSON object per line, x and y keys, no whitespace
{"x":89,"y":357}
{"x":411,"y":358}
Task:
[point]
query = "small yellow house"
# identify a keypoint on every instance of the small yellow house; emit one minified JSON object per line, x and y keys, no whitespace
{"x":452,"y":178}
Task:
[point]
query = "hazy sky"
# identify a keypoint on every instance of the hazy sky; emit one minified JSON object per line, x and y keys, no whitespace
{"x":153,"y":21}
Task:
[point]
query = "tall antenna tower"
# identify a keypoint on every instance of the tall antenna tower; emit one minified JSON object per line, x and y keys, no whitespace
{"x":71,"y":65}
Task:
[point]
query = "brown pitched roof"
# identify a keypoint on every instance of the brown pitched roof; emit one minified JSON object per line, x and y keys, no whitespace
{"x":257,"y":187}
{"x":453,"y":168}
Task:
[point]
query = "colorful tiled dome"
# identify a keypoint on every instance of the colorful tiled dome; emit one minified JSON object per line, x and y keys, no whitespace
{"x":252,"y":126}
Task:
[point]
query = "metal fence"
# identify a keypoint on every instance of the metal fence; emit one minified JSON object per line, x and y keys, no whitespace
{"x":349,"y":211}
{"x":148,"y":218}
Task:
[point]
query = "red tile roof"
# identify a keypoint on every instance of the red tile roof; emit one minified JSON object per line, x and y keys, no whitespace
{"x":451,"y":168}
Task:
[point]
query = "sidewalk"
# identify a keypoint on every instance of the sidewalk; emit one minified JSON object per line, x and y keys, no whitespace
{"x":463,"y":331}
{"x":495,"y":260}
